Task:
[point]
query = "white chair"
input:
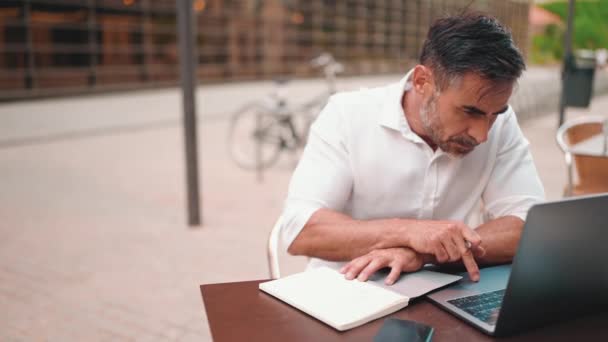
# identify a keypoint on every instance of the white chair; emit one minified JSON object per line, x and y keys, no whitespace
{"x":592,"y":171}
{"x":273,"y":250}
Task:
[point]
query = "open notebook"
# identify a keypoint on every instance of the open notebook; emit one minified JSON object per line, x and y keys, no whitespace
{"x":325,"y":294}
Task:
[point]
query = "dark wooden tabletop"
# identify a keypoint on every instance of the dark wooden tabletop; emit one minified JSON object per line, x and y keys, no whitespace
{"x":241,"y":312}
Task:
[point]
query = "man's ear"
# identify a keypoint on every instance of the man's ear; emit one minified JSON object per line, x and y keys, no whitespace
{"x":422,"y":80}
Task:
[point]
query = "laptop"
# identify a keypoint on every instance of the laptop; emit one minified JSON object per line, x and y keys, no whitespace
{"x":559,"y":272}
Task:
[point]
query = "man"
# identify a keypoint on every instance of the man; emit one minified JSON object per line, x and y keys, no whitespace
{"x":396,"y":176}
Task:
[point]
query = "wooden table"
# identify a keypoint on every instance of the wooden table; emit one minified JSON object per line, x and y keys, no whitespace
{"x":240,"y":312}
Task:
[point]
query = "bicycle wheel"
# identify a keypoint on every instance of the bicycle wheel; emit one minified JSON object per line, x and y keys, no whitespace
{"x":254,"y":138}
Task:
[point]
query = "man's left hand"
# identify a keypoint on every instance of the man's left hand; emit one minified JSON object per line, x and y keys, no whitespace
{"x":398,"y":259}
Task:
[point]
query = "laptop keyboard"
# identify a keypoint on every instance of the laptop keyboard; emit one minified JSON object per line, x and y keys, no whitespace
{"x":484,"y":307}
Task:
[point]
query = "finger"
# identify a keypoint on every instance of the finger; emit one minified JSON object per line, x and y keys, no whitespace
{"x":370,"y":269}
{"x":441,"y":255}
{"x":452,"y":249}
{"x":356,"y":266}
{"x":393,"y":275}
{"x":471,"y":265}
{"x":470,"y":235}
{"x":344,"y":270}
{"x":479,"y":251}
{"x":462,"y":245}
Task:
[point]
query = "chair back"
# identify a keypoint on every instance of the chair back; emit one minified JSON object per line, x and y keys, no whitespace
{"x":273,"y":250}
{"x":592,"y":171}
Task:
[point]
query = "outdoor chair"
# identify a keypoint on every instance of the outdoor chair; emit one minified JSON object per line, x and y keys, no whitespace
{"x":273,"y":250}
{"x":591,"y":169}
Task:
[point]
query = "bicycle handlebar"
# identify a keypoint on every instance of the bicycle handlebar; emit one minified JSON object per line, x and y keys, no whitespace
{"x":322,"y":60}
{"x":328,"y":63}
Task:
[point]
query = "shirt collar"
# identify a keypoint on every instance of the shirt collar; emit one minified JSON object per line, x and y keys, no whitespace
{"x":392,"y":115}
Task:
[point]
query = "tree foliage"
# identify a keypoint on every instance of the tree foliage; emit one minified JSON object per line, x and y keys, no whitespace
{"x":590,"y":30}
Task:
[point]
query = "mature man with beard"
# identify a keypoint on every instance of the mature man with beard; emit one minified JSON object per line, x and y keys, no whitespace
{"x":433,"y":169}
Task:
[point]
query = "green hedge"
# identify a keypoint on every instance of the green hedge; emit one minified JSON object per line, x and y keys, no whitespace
{"x":590,"y":30}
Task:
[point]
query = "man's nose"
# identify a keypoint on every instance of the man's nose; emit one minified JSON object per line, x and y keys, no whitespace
{"x":479,"y":129}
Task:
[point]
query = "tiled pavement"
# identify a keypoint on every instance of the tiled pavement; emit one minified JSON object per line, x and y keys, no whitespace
{"x":93,"y":240}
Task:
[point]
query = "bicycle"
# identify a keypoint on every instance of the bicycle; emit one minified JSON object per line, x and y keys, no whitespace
{"x":259,"y":131}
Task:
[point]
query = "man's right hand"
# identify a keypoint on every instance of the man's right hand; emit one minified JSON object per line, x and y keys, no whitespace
{"x":447,"y":242}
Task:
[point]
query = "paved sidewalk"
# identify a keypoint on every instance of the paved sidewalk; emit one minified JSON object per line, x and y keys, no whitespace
{"x":93,"y":240}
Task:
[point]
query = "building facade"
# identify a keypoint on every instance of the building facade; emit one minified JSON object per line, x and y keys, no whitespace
{"x":54,"y":47}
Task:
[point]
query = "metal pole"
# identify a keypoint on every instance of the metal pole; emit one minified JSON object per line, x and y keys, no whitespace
{"x":144,"y":25}
{"x":30,"y":61}
{"x":186,"y":25}
{"x":568,"y":62}
{"x":93,"y":46}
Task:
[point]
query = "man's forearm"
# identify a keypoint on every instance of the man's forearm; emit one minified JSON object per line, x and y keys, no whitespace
{"x":500,"y":239}
{"x":331,"y":235}
{"x":334,"y":236}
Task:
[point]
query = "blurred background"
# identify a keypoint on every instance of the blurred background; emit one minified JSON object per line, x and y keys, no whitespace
{"x":62,"y":46}
{"x":94,"y":236}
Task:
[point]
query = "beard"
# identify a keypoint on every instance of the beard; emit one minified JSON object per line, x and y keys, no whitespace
{"x":458,"y":145}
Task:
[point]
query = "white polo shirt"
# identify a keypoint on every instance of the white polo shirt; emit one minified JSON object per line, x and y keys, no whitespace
{"x":363,"y":159}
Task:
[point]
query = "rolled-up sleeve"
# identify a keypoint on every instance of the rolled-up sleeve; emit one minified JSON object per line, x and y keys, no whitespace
{"x":323,"y":177}
{"x":514,"y":185}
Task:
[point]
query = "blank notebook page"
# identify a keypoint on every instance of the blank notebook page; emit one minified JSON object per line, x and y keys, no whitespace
{"x":343,"y":304}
